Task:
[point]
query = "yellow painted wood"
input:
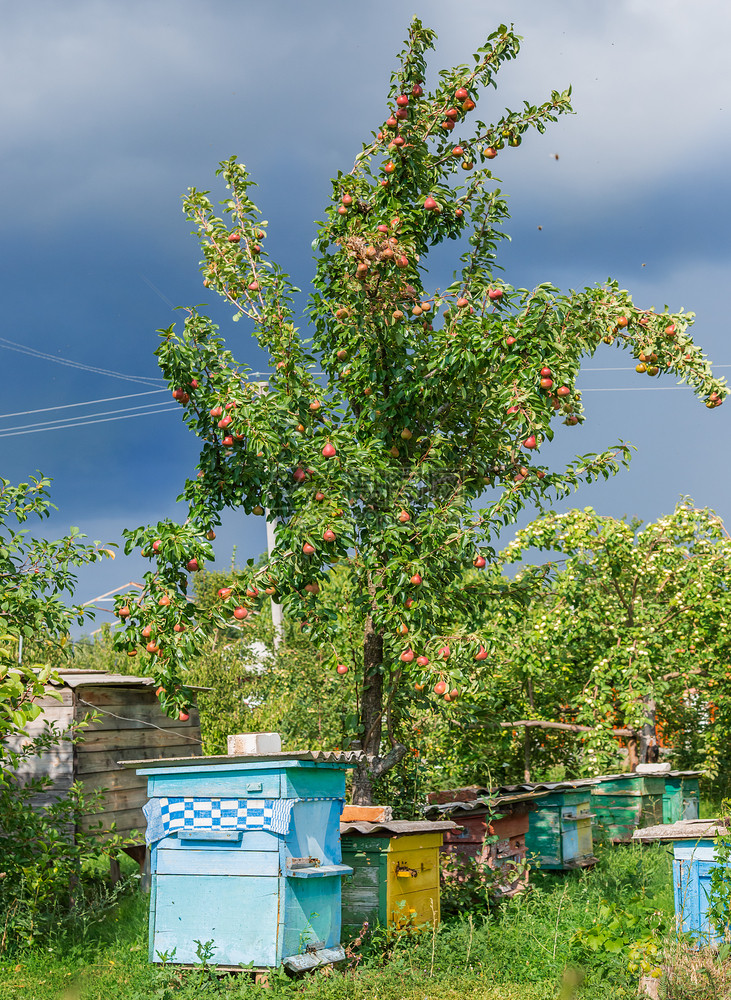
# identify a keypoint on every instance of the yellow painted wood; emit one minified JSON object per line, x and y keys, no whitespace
{"x":415,"y":908}
{"x":412,"y":879}
{"x":415,"y":840}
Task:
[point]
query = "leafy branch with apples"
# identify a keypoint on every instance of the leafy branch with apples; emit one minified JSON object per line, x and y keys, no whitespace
{"x":404,"y":425}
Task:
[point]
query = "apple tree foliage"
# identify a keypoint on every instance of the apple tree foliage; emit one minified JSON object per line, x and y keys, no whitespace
{"x":625,"y":617}
{"x":35,"y":573}
{"x":398,"y":406}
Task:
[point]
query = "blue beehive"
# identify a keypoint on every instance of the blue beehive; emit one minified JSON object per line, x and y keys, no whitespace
{"x":245,"y":853}
{"x":693,"y":861}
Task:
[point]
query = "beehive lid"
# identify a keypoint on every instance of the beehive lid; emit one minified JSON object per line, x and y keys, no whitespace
{"x":397,"y":827}
{"x":82,"y":678}
{"x":685,"y":829}
{"x":481,"y":802}
{"x":350,"y":758}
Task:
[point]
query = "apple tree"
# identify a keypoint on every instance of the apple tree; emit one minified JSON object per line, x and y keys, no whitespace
{"x":626,"y":629}
{"x":405,"y":422}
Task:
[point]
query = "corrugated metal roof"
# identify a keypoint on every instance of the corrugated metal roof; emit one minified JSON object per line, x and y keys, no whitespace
{"x":547,"y":786}
{"x":398,"y":827}
{"x":685,"y":829}
{"x":483,"y":802}
{"x":80,"y":678}
{"x":349,"y":757}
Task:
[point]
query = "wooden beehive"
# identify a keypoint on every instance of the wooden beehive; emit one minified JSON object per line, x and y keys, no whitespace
{"x":694,"y":850}
{"x":681,"y":799}
{"x":264,"y":896}
{"x":491,"y":828}
{"x":130,"y":725}
{"x":395,"y":879}
{"x":623,"y":803}
{"x":559,"y":835}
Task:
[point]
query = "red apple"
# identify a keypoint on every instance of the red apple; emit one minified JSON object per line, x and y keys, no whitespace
{"x":156,"y":545}
{"x":342,"y":668}
{"x":183,"y":716}
{"x":462,"y":303}
{"x":461,"y":94}
{"x":458,"y":151}
{"x":179,"y":393}
{"x":444,"y":652}
{"x":622,"y":321}
{"x":423,"y":661}
{"x":240,"y":613}
{"x":563,"y":391}
{"x":546,"y":383}
{"x":402,"y":100}
{"x":192,"y":566}
{"x":510,"y":341}
{"x":308,"y":549}
{"x":495,"y":293}
{"x":440,"y":687}
{"x":479,"y":561}
{"x":490,"y":153}
{"x":347,"y":199}
{"x":546,"y":372}
{"x":224,"y":593}
{"x":416,"y":579}
{"x":530,"y":442}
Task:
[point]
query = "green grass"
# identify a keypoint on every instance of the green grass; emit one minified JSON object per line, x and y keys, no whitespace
{"x":520,"y":951}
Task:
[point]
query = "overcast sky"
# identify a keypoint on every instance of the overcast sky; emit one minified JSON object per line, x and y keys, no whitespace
{"x":109,"y":111}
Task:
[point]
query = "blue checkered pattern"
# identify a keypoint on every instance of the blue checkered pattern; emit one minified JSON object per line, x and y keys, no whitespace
{"x":168,"y":815}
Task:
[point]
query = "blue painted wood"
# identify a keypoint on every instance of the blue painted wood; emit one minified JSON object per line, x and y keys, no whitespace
{"x":239,"y":915}
{"x":692,"y":866}
{"x":311,"y":913}
{"x":322,"y":871}
{"x":250,"y":840}
{"x":304,"y":782}
{"x":201,"y":862}
{"x":233,"y":887}
{"x":226,"y":835}
{"x":233,"y":784}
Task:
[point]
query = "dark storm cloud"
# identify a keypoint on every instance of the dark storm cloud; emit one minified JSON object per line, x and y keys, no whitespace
{"x":109,"y":111}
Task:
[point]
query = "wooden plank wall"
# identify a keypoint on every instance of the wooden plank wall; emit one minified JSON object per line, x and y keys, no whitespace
{"x":130,"y":726}
{"x":56,"y":763}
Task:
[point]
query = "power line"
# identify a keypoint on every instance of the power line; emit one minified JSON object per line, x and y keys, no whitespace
{"x":151,"y":407}
{"x":84,"y":423}
{"x":88,"y":402}
{"x":11,"y":345}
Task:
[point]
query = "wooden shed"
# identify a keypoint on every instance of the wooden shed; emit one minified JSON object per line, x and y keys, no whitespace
{"x":130,"y":725}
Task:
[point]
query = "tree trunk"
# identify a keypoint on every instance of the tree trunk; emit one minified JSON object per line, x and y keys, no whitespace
{"x":649,"y":749}
{"x":371,"y":712}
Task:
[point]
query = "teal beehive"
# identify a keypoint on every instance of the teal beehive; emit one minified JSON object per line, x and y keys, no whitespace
{"x":245,"y":858}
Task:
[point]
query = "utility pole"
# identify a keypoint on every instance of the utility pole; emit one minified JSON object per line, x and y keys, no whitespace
{"x":277,"y":618}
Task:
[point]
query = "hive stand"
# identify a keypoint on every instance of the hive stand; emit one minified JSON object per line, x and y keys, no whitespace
{"x":259,"y":897}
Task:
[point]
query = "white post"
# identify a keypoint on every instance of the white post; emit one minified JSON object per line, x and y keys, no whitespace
{"x":277,"y":618}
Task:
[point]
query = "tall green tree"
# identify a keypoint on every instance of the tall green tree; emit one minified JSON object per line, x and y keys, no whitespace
{"x":431,"y":402}
{"x":626,"y":627}
{"x":35,"y":620}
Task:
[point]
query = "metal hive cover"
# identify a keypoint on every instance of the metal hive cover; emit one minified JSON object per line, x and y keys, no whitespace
{"x":348,"y":757}
{"x":398,"y":827}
